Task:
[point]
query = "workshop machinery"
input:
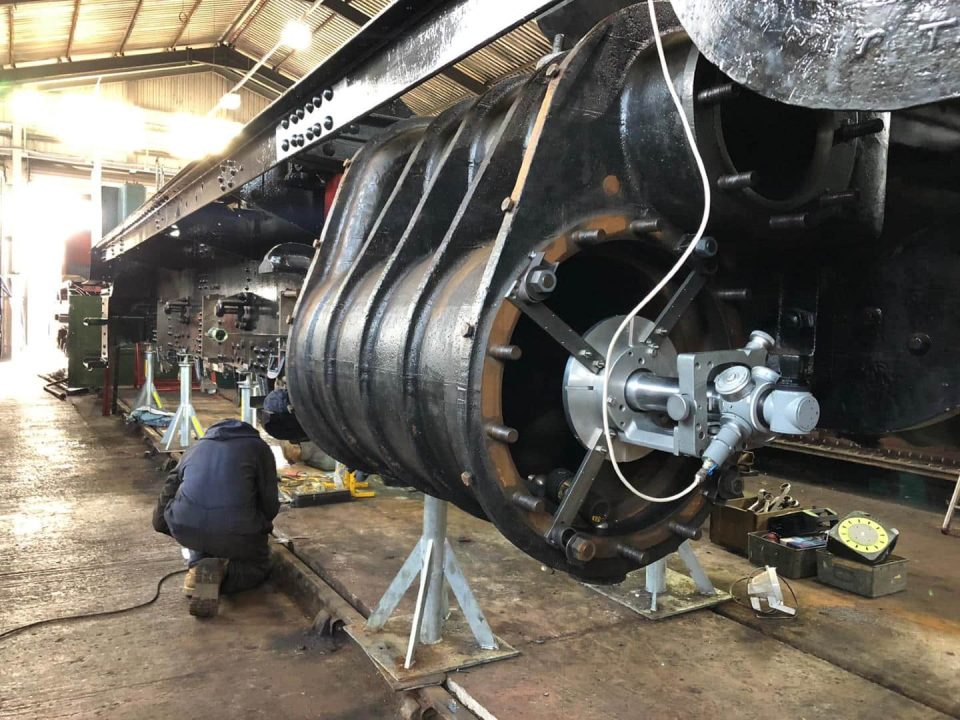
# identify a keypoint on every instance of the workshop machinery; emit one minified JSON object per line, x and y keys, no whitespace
{"x":463,"y":316}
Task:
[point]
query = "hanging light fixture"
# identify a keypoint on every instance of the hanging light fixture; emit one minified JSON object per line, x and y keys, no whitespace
{"x":296,"y":35}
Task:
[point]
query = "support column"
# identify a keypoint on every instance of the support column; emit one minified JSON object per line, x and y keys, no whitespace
{"x":185,"y":420}
{"x":248,"y":413}
{"x":434,"y":528}
{"x":148,"y":396}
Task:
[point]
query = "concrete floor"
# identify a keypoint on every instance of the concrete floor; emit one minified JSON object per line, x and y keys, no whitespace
{"x":582,"y":656}
{"x":76,"y":496}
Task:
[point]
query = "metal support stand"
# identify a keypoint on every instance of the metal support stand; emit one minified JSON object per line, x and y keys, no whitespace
{"x":954,"y":504}
{"x":185,"y":420}
{"x":662,"y":592}
{"x":148,"y":396}
{"x":434,"y":561}
{"x":248,"y":413}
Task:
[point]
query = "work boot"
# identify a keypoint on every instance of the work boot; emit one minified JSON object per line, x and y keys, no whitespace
{"x":190,"y":581}
{"x":206,"y":594}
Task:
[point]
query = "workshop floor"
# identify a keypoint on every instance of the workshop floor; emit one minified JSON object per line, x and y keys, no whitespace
{"x":75,"y":501}
{"x":583,"y":656}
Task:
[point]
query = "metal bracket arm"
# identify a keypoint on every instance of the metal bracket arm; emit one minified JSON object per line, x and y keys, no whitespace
{"x":573,"y":499}
{"x":581,"y":351}
{"x":674,"y":310}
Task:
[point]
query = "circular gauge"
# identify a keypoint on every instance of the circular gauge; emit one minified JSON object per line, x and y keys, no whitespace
{"x":863,"y":534}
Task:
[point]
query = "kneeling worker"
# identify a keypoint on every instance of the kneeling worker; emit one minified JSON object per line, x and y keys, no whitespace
{"x":219,"y":503}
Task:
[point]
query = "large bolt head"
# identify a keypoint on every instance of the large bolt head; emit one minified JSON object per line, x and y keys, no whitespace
{"x":581,"y":549}
{"x":542,"y":281}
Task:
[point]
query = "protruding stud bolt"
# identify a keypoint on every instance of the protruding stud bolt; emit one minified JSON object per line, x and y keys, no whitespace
{"x":851,"y":131}
{"x":645,"y":226}
{"x":528,"y":502}
{"x":505,"y":352}
{"x":502,"y":433}
{"x":738,"y":181}
{"x":718,"y":94}
{"x":632,"y":554}
{"x":685,"y":531}
{"x":589,"y":237}
{"x":798,"y":221}
{"x":508,"y":204}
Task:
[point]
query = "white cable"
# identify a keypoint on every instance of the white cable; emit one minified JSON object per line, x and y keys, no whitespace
{"x":666,"y":278}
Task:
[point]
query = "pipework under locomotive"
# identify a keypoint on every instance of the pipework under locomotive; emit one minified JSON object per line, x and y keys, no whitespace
{"x":458,"y":329}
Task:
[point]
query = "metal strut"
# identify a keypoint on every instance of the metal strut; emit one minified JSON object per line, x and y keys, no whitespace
{"x":148,"y":396}
{"x":185,"y":420}
{"x":434,"y":560}
{"x":248,"y":413}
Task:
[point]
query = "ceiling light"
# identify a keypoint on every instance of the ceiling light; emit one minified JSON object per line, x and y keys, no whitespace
{"x":230,"y":101}
{"x":296,"y":35}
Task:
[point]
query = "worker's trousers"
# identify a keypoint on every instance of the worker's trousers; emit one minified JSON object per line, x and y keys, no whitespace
{"x":249,"y":555}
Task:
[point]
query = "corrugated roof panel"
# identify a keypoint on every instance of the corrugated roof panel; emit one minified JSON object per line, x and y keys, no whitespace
{"x":329,"y":34}
{"x":261,"y":35}
{"x":435,"y":95}
{"x":370,"y":7}
{"x":40,"y":30}
{"x":211,"y":20}
{"x":517,"y":50}
{"x":101,"y":25}
{"x":158,"y":24}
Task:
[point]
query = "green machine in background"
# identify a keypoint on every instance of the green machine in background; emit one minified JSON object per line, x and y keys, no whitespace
{"x":86,"y":344}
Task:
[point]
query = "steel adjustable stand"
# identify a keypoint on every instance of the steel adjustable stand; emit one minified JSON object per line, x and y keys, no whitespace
{"x":434,"y":561}
{"x":248,"y":413}
{"x":951,"y":509}
{"x":185,"y":420}
{"x":662,"y":592}
{"x":148,"y":396}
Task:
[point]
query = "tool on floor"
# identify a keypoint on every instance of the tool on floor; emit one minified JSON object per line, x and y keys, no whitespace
{"x":952,"y":508}
{"x":764,"y":589}
{"x":303,"y":488}
{"x":185,"y":421}
{"x":433,"y":559}
{"x":148,"y":396}
{"x":862,"y":538}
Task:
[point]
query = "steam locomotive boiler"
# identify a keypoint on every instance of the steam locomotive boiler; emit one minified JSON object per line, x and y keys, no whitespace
{"x":462,"y":326}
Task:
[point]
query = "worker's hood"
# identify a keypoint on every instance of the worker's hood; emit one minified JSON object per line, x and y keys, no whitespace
{"x":229,"y":430}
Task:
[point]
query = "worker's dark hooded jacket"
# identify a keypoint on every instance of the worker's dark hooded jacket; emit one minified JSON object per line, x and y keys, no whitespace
{"x":226,"y":484}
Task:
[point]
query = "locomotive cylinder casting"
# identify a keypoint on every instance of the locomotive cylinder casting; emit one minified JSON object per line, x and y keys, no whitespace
{"x":452,"y":332}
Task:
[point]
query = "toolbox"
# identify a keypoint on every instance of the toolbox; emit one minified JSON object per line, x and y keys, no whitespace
{"x":789,"y":562}
{"x":732,"y":522}
{"x":885,"y":578}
